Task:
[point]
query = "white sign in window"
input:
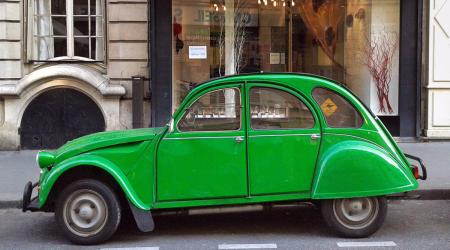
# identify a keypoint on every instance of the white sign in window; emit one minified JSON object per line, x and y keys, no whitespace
{"x":198,"y":52}
{"x":275,"y":58}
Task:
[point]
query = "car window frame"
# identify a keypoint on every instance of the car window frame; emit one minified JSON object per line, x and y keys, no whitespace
{"x":363,"y":120}
{"x":279,"y":129}
{"x":237,"y":86}
{"x":282,"y":87}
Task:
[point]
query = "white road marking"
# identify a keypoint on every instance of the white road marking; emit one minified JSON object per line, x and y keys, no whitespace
{"x":131,"y":248}
{"x":248,"y":246}
{"x":367,"y":244}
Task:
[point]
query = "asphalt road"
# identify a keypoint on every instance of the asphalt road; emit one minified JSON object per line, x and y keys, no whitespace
{"x":409,"y":225}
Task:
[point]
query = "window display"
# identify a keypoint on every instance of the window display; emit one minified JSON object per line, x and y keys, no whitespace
{"x":334,"y":38}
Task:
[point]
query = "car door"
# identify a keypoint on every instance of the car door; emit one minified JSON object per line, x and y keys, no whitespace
{"x":204,"y":157}
{"x":283,"y":140}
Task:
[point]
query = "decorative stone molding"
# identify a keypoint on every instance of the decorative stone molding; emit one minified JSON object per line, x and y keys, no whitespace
{"x":14,"y":108}
{"x":80,"y":72}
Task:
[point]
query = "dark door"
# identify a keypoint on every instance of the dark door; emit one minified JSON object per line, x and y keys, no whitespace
{"x":57,"y":116}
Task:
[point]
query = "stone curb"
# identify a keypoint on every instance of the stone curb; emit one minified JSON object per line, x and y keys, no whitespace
{"x":10,"y":204}
{"x":432,"y":194}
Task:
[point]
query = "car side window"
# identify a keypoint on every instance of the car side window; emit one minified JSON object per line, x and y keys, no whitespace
{"x":276,"y":109}
{"x":218,"y":110}
{"x":338,"y":112}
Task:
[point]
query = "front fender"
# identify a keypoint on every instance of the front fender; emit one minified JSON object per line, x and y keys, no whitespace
{"x":357,"y":169}
{"x":52,"y":176}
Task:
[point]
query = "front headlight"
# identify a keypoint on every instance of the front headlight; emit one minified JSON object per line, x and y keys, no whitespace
{"x":37,"y":158}
{"x":45,"y":159}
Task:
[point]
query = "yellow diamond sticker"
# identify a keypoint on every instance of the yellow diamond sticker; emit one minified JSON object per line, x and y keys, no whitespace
{"x":328,"y":107}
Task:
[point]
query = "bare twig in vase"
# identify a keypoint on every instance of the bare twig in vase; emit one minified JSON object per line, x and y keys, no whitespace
{"x":377,"y":55}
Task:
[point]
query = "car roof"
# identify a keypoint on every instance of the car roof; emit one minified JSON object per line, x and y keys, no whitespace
{"x":324,"y":81}
{"x":262,"y":74}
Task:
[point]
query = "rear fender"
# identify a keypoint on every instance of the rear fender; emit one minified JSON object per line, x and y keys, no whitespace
{"x":358,"y":169}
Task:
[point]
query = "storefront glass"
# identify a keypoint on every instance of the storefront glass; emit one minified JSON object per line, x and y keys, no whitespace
{"x":352,"y":41}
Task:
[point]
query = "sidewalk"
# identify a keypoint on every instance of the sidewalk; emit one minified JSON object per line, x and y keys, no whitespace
{"x":436,"y":156}
{"x":18,"y":167}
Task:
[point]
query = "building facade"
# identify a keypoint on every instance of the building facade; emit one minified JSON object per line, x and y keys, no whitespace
{"x":66,"y":68}
{"x":73,"y":67}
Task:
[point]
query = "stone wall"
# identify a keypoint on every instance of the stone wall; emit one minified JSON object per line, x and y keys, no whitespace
{"x":128,"y":51}
{"x":10,"y":41}
{"x":127,"y":56}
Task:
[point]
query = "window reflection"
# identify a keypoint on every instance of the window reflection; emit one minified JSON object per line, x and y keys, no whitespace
{"x":217,"y":110}
{"x":338,"y":112}
{"x":277,"y":109}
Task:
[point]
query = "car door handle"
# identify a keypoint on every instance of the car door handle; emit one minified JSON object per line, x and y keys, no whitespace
{"x":239,"y":139}
{"x":315,"y":136}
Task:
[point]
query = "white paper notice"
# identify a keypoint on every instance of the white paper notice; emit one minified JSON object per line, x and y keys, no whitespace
{"x":274,"y":58}
{"x":198,"y":52}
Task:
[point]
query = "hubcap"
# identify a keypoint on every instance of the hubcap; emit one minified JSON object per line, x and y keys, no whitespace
{"x":85,"y":213}
{"x":356,"y":213}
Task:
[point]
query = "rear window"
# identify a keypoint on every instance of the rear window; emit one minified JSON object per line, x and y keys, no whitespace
{"x":338,"y":112}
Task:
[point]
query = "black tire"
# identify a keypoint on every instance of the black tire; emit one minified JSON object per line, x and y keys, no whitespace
{"x":363,"y":218}
{"x":87,"y":202}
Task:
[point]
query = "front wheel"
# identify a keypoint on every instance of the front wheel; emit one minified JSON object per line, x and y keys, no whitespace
{"x":88,"y":212}
{"x":355,"y":217}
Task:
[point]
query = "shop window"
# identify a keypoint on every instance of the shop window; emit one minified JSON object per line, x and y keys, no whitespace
{"x":277,"y":109}
{"x":338,"y":112}
{"x":218,"y":110}
{"x":66,"y":30}
{"x":351,"y":41}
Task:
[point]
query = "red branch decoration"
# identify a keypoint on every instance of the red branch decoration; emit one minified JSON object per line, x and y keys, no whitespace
{"x":377,"y":57}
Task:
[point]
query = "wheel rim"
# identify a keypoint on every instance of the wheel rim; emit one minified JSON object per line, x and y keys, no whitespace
{"x":85,"y":213}
{"x":356,"y":213}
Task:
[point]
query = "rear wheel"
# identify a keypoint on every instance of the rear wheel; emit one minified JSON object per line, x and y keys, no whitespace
{"x":355,"y":217}
{"x":88,"y":212}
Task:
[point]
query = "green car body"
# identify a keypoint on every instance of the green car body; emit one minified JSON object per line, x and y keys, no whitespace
{"x":164,"y":168}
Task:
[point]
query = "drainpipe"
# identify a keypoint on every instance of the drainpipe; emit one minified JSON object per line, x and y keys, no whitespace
{"x":150,"y":50}
{"x":138,"y":101}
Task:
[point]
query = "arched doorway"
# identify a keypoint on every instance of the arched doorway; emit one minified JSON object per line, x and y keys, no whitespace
{"x":59,"y":115}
